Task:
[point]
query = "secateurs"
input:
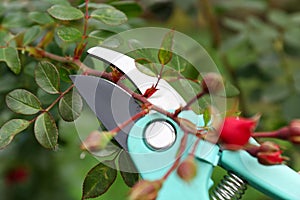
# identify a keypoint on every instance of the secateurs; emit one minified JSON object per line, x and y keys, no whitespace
{"x":153,"y":140}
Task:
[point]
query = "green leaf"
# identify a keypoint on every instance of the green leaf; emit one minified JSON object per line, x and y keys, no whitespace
{"x":63,"y":12}
{"x":108,"y":151}
{"x":68,"y":34}
{"x":291,"y":36}
{"x":127,"y":169}
{"x":130,"y":8}
{"x":10,"y":129}
{"x":60,"y":2}
{"x":45,"y":131}
{"x":165,"y":51}
{"x":5,"y":37}
{"x":64,"y":74}
{"x":98,"y":180}
{"x":146,"y":66}
{"x":10,"y":56}
{"x":46,"y":98}
{"x":31,"y":34}
{"x":23,"y":102}
{"x":96,"y":5}
{"x":234,"y":24}
{"x":70,"y":106}
{"x":40,"y":18}
{"x":15,"y":19}
{"x":47,"y":77}
{"x":279,"y":18}
{"x":291,"y":107}
{"x":206,"y":116}
{"x":100,"y":35}
{"x":231,"y":90}
{"x":276,"y":91}
{"x":110,"y":16}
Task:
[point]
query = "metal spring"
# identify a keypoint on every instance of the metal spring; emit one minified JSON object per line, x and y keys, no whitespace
{"x":231,"y":187}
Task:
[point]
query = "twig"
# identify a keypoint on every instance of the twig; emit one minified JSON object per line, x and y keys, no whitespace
{"x":58,"y":98}
{"x":179,"y":154}
{"x":126,"y":123}
{"x":195,"y":98}
{"x":86,"y":18}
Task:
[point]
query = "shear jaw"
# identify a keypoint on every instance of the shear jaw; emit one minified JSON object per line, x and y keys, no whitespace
{"x":166,"y":97}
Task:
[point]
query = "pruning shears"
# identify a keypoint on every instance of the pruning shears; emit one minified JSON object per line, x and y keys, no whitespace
{"x":153,"y":140}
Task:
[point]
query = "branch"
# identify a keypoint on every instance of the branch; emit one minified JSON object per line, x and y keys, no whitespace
{"x":195,"y":98}
{"x":180,"y":152}
{"x":58,"y":98}
{"x":133,"y":118}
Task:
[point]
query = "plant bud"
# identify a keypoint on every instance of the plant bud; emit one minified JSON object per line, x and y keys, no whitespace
{"x":187,"y":170}
{"x":145,"y":190}
{"x":236,"y":131}
{"x":270,"y":158}
{"x":212,"y":83}
{"x":97,"y":140}
{"x":269,"y":147}
{"x":294,"y":128}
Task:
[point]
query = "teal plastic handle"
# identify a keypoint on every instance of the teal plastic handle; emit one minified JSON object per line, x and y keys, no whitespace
{"x":154,"y":164}
{"x":277,"y":181}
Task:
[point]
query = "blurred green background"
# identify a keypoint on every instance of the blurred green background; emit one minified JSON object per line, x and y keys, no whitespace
{"x":254,"y":43}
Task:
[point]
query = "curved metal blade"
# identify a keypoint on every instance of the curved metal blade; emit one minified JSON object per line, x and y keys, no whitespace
{"x":111,"y":104}
{"x":166,"y":97}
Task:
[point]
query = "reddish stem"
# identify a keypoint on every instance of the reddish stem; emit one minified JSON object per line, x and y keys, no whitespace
{"x":195,"y":146}
{"x":58,"y":98}
{"x":86,"y":18}
{"x":126,"y":123}
{"x":180,"y":152}
{"x":195,"y":98}
{"x":282,"y":133}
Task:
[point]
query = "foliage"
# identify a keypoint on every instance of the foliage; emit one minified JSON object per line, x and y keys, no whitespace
{"x":43,"y":42}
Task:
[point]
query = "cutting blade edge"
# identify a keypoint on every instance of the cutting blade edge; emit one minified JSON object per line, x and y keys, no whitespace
{"x":111,"y":104}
